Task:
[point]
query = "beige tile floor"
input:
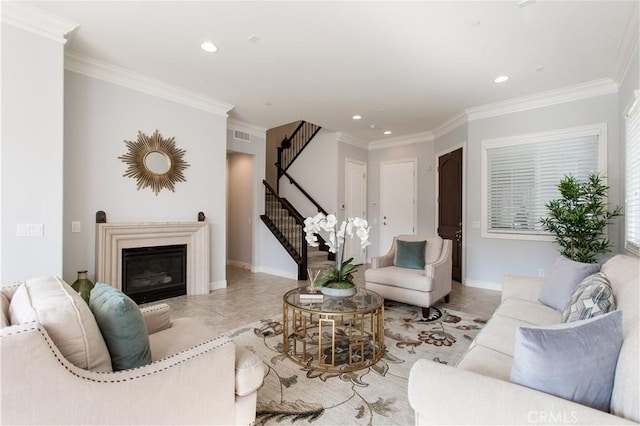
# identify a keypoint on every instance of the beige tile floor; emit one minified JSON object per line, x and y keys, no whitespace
{"x":250,"y":297}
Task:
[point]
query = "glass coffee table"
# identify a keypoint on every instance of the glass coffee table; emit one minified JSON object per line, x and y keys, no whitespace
{"x":334,"y":335}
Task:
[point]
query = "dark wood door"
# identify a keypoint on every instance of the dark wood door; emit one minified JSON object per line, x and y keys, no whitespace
{"x":450,"y":205}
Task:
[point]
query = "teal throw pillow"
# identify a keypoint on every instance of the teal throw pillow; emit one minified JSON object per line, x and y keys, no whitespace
{"x":122,"y":326}
{"x":575,"y":361}
{"x":410,"y":254}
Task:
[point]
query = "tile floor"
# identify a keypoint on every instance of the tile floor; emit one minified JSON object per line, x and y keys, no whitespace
{"x":250,"y":297}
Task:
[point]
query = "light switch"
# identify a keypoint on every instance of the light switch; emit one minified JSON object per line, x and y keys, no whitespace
{"x":75,"y":226}
{"x":30,"y":230}
{"x":475,"y":224}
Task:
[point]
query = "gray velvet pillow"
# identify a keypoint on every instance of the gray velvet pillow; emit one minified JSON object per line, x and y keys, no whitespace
{"x":410,"y":254}
{"x":576,"y":361}
{"x":564,"y":277}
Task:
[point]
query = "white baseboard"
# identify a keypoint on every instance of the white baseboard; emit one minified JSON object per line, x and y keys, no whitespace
{"x":217,"y":285}
{"x":238,"y":264}
{"x":483,"y":284}
{"x":277,"y":272}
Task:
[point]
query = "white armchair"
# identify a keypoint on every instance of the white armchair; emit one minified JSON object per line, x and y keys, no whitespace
{"x":419,"y":287}
{"x":195,"y":377}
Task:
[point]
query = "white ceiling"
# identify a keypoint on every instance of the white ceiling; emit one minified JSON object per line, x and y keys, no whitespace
{"x":404,"y":66}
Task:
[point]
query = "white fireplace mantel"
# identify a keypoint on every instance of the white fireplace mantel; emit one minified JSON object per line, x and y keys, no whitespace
{"x":112,"y":238}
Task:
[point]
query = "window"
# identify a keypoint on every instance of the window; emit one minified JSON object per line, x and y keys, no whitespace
{"x":520,"y":174}
{"x":632,"y":192}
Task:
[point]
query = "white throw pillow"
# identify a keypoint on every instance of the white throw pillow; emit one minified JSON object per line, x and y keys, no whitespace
{"x":67,"y":319}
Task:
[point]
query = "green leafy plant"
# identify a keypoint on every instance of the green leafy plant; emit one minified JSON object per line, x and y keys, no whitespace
{"x":338,"y":277}
{"x":579,"y":218}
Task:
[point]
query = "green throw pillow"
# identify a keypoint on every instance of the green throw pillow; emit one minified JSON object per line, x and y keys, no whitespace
{"x":410,"y":254}
{"x":122,"y":326}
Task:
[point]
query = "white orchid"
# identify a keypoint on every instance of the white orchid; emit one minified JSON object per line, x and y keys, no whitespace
{"x":314,"y":225}
{"x":320,"y":222}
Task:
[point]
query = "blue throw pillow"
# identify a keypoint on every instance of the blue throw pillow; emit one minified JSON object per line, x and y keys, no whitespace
{"x":122,"y":326}
{"x":575,"y":361}
{"x":410,"y":254}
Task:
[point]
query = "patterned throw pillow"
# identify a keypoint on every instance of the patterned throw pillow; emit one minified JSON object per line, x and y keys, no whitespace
{"x":591,"y":298}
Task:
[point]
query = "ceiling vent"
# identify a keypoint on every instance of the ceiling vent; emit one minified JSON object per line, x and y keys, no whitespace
{"x":237,"y":134}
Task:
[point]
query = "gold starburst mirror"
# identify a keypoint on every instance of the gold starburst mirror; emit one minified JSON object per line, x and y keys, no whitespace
{"x":155,"y":162}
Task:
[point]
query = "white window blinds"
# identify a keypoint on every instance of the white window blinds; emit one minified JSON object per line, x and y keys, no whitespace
{"x":632,"y":196}
{"x":521,"y":175}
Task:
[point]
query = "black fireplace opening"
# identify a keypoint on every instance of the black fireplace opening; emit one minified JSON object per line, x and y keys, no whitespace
{"x":154,"y":273}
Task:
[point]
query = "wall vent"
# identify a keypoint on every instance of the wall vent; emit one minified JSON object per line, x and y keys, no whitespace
{"x":237,"y":134}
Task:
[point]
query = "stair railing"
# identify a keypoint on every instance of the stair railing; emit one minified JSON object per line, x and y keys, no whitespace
{"x":291,"y":147}
{"x":292,"y":238}
{"x":305,"y":193}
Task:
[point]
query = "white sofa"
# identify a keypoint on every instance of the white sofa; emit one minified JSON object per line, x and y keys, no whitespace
{"x":195,"y":377}
{"x":418,"y":287}
{"x":478,"y":391}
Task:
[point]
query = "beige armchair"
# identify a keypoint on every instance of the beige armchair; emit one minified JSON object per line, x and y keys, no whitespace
{"x":419,"y":287}
{"x":195,"y":376}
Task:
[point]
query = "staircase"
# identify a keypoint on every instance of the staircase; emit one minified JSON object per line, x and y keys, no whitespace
{"x":282,"y":218}
{"x":287,"y":225}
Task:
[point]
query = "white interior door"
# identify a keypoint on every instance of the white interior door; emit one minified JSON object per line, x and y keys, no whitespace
{"x":355,"y":195}
{"x":397,"y":200}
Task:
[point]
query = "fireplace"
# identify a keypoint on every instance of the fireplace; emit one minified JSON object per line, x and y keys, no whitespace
{"x":154,"y":273}
{"x":113,"y":238}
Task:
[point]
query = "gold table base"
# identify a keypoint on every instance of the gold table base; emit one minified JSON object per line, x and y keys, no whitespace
{"x":329,"y":340}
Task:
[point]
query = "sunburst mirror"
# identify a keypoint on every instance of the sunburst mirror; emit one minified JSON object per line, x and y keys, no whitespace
{"x":154,"y":162}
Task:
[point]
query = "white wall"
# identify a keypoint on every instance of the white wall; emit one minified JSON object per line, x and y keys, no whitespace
{"x":488,"y":259}
{"x":316,"y":170}
{"x":31,"y":153}
{"x":630,"y":83}
{"x":99,"y":116}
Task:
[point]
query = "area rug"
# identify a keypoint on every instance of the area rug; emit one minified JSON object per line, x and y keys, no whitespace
{"x":376,"y":395}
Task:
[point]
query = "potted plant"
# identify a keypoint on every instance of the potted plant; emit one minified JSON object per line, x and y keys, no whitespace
{"x":578,"y":218}
{"x":340,"y":277}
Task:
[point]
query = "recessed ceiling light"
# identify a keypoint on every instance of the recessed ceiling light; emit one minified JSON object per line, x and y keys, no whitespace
{"x":208,"y":46}
{"x":525,"y":3}
{"x":501,"y":79}
{"x":387,"y":132}
{"x":357,"y":117}
{"x":540,"y":68}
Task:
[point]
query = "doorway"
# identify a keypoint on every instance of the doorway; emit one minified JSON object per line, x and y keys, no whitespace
{"x":449,"y":200}
{"x":398,"y":204}
{"x":355,"y":198}
{"x":240,"y":209}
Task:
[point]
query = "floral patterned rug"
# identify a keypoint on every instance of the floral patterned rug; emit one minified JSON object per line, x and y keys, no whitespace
{"x":376,"y":395}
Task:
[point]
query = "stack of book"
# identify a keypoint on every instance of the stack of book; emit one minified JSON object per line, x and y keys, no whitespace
{"x":307,"y":296}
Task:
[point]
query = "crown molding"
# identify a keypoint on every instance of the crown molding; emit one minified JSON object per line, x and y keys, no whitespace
{"x":35,"y":20}
{"x":243,"y":126}
{"x":603,"y":86}
{"x":401,"y":140}
{"x":353,"y":141}
{"x":122,"y":77}
{"x":628,"y":47}
{"x":453,"y":123}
